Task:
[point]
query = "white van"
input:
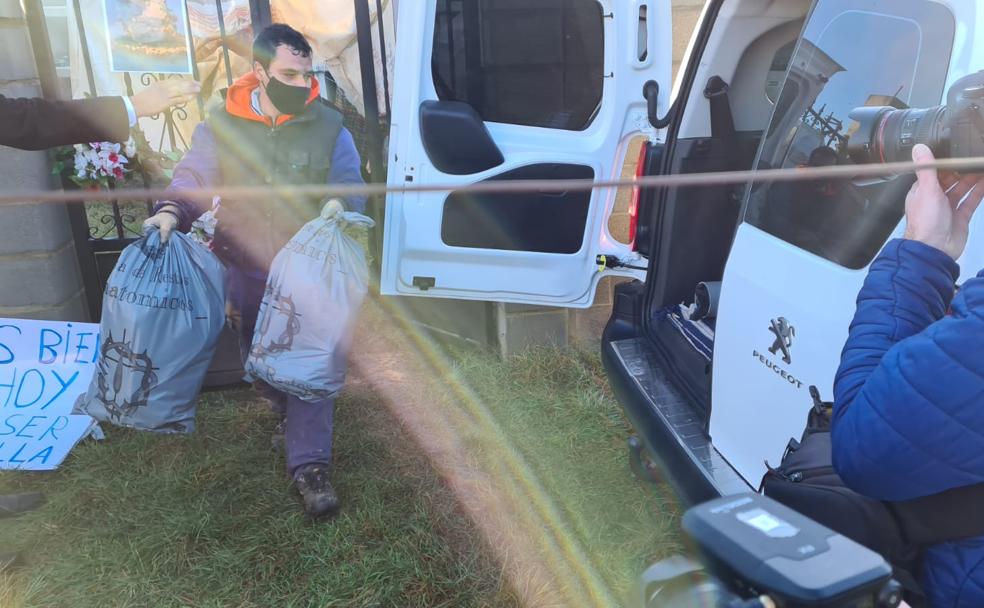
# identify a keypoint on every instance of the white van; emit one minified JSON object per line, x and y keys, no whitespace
{"x":554,"y":89}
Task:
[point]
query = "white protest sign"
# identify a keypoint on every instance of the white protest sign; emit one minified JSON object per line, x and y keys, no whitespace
{"x":44,"y":367}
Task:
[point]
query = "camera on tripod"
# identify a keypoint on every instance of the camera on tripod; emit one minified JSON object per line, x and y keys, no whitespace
{"x":759,"y":553}
{"x":956,"y":130}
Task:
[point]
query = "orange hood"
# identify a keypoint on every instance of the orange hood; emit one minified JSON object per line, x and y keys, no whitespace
{"x":239,"y":100}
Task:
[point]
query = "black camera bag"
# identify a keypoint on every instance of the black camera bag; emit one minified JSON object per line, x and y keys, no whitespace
{"x":805,"y":480}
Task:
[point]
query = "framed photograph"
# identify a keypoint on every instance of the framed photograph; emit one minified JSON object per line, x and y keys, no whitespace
{"x":148,"y":36}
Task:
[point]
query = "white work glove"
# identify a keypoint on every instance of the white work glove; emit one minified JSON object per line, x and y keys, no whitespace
{"x":332,"y":208}
{"x":166,"y":221}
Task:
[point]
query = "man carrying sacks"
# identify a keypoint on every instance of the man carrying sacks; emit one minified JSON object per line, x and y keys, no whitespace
{"x":271,"y":130}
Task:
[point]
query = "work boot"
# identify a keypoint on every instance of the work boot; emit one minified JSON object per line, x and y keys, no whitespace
{"x":319,"y":497}
{"x":278,"y":437}
{"x":15,"y":504}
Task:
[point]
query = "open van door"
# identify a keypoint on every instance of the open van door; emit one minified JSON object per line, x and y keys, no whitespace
{"x":490,"y":90}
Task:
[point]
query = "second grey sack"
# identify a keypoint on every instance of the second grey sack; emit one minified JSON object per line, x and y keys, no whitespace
{"x":163,"y":311}
{"x":313,"y":295}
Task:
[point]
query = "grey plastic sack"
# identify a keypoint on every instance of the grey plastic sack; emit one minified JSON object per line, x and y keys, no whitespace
{"x":304,"y":329}
{"x":163,"y":310}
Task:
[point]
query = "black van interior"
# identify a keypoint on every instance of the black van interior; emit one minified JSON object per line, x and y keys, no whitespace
{"x":722,"y":109}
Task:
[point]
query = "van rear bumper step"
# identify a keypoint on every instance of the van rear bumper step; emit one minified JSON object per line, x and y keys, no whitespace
{"x":667,"y":423}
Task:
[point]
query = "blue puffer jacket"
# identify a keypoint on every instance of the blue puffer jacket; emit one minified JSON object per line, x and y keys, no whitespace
{"x":909,"y":400}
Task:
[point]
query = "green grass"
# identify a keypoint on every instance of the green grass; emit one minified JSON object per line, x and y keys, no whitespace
{"x":556,"y":409}
{"x":210,"y":520}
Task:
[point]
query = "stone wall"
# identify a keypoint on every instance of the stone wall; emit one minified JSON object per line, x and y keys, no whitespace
{"x":686,"y":14}
{"x":39,"y":276}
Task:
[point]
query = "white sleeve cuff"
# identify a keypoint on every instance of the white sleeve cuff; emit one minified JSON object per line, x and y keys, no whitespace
{"x":130,"y":112}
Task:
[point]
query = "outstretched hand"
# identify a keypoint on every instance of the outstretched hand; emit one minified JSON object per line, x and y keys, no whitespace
{"x":163,"y":94}
{"x":938,"y":208}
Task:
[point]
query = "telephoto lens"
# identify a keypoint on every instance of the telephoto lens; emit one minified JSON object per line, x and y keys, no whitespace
{"x":887,"y":135}
{"x":884,"y":134}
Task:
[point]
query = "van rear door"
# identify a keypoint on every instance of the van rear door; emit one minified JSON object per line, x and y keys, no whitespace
{"x":496,"y":90}
{"x":801,"y":254}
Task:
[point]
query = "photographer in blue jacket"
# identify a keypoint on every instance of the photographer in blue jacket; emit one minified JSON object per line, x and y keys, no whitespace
{"x":908,"y":415}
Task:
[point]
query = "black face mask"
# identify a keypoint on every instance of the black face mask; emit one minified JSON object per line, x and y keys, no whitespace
{"x":287,"y":98}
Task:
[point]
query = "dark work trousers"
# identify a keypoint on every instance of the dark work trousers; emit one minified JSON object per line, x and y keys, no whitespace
{"x":308,"y":434}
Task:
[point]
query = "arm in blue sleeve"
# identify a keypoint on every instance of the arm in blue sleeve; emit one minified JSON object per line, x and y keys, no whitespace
{"x":908,"y":420}
{"x":199,"y":168}
{"x":346,"y":168}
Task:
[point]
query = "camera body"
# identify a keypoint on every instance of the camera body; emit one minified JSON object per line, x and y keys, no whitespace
{"x":757,"y":552}
{"x":885,"y":134}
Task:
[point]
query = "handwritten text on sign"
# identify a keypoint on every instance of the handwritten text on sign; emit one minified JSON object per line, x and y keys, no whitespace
{"x":44,"y":367}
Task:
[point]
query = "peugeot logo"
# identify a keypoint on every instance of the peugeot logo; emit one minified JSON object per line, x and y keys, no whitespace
{"x":784,"y":333}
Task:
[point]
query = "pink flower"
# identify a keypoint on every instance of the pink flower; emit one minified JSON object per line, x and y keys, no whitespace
{"x":114,"y":158}
{"x":118,"y":173}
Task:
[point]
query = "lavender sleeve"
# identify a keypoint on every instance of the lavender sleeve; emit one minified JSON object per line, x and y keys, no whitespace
{"x":199,"y":168}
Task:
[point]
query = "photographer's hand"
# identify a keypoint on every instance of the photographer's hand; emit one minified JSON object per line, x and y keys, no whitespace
{"x":939,"y":207}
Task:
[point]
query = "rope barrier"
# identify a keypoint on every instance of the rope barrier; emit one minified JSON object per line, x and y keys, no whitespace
{"x":205,"y":195}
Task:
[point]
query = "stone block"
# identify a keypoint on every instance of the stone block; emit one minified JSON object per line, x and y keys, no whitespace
{"x":25,"y":171}
{"x":618,"y":226}
{"x":587,"y":325}
{"x":603,"y":295}
{"x":11,"y":9}
{"x":521,"y":331}
{"x":511,"y":309}
{"x":451,"y":321}
{"x":41,"y":280}
{"x":632,"y":158}
{"x":20,"y":88}
{"x":623,"y":197}
{"x":522,"y":326}
{"x":685,"y":20}
{"x":33,"y":228}
{"x":71,"y":310}
{"x":18,"y":56}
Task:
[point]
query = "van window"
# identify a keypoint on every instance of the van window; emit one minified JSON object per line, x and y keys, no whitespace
{"x":853,"y":53}
{"x":537,"y":63}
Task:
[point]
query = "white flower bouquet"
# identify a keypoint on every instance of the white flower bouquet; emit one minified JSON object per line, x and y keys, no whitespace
{"x":98,"y":164}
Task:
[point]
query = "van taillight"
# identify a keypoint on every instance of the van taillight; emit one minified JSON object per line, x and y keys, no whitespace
{"x":636,"y":193}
